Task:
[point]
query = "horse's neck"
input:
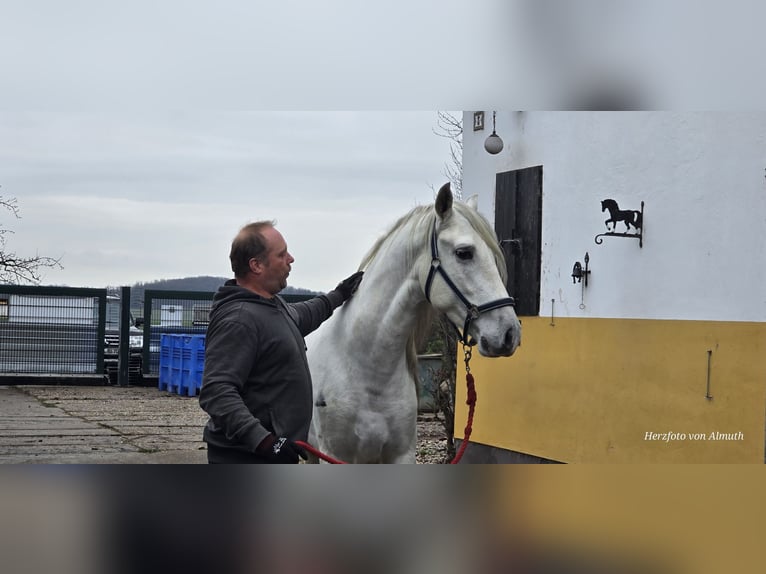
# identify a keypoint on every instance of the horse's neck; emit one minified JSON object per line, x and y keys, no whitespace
{"x":385,"y":312}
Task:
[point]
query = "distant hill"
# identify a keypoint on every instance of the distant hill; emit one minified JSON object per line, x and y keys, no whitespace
{"x":202,"y":283}
{"x":205,"y":283}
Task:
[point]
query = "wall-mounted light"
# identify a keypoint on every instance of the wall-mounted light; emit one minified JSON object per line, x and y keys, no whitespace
{"x":578,"y":274}
{"x":493,"y":144}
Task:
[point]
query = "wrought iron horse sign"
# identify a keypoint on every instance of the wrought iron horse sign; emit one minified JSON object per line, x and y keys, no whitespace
{"x":630,"y":217}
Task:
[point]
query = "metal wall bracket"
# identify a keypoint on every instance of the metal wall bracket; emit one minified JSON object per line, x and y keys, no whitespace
{"x":516,"y":245}
{"x":629,"y":217}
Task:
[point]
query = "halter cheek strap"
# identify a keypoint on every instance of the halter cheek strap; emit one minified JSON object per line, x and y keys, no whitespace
{"x":473,"y":311}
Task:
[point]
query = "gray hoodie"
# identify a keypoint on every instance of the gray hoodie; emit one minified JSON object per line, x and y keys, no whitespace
{"x":256,"y":379}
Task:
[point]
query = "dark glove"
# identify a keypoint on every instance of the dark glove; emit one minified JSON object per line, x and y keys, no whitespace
{"x":281,"y":448}
{"x":349,"y":285}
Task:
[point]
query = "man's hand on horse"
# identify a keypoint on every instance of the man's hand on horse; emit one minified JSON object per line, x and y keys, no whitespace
{"x":348,"y":286}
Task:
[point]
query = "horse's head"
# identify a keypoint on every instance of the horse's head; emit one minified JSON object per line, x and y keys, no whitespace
{"x":470,"y":258}
{"x":608,"y":204}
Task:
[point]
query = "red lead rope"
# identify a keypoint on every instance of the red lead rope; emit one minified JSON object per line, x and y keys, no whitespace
{"x":316,"y":452}
{"x":470,"y":401}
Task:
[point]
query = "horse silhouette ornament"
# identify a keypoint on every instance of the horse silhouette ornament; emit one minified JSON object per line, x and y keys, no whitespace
{"x":630,"y":217}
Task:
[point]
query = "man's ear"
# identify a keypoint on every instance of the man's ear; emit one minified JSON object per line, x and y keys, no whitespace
{"x":255,"y":266}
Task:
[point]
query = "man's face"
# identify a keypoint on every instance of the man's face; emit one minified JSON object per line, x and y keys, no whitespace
{"x":277,"y":262}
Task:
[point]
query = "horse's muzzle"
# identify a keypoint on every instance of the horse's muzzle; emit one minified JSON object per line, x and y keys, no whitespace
{"x":505,"y":348}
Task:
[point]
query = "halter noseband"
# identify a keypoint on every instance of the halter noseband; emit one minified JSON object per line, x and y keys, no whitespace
{"x":473,"y":311}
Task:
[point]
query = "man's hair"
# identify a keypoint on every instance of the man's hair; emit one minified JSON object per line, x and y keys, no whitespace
{"x":248,"y":244}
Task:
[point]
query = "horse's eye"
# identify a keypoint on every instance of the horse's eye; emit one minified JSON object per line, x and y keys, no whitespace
{"x":464,"y":254}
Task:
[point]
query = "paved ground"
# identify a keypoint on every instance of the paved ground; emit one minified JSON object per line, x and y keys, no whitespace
{"x":97,"y":425}
{"x":65,"y":424}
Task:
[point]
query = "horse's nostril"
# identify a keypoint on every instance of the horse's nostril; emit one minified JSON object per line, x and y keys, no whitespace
{"x":503,"y":347}
{"x":509,"y":338}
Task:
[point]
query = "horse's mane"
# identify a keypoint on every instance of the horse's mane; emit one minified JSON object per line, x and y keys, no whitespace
{"x":420,"y":221}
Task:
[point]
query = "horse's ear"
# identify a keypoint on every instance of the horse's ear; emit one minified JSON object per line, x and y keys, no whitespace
{"x":473,"y":202}
{"x":443,"y":201}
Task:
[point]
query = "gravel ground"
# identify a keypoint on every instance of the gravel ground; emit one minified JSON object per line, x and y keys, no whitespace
{"x":432,"y":441}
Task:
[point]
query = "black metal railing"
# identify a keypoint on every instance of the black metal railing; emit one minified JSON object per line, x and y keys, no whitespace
{"x":177,"y":312}
{"x":76,"y":331}
{"x":171,"y":312}
{"x":51,"y":330}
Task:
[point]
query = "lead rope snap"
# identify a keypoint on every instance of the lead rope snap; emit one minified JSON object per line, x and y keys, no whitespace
{"x":467,"y":353}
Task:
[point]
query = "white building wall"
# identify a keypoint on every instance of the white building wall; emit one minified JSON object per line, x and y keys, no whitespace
{"x":702,"y":178}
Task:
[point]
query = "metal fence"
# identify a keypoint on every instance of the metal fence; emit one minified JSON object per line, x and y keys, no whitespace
{"x":177,"y":312}
{"x":71,"y":332}
{"x":171,"y":312}
{"x":51,"y":330}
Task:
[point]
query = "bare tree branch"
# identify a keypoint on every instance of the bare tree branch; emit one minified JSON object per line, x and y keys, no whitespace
{"x":445,"y":392}
{"x":11,"y":205}
{"x":15,"y":268}
{"x":451,"y":127}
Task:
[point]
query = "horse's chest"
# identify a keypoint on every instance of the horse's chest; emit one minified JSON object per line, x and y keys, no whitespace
{"x":390,"y":403}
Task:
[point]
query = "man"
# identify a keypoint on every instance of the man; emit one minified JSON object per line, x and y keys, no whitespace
{"x":256,"y":386}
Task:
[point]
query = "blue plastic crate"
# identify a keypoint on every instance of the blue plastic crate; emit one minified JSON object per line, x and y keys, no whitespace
{"x":182,"y":362}
{"x":166,"y":351}
{"x":176,"y":364}
{"x":193,"y":364}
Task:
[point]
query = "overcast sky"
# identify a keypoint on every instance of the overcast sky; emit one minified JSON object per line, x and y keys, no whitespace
{"x":113,"y":179}
{"x":126,"y":197}
{"x":125,"y":133}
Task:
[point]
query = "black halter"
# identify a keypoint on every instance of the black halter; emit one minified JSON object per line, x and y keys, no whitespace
{"x":473,"y":311}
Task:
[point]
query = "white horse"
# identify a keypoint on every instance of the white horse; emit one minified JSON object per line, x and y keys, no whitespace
{"x":442,"y":258}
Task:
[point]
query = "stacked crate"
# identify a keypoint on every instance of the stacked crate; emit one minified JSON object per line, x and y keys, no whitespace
{"x":182,"y":361}
{"x":192,"y":363}
{"x":166,"y":363}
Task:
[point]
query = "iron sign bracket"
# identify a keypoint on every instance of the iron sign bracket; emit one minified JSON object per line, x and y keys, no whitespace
{"x":638,"y":224}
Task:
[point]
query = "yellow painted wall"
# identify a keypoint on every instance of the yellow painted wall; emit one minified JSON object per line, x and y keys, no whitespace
{"x":674,"y":519}
{"x":588,"y":391}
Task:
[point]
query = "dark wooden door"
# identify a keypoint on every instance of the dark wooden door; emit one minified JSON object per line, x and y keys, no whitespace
{"x":518,"y":224}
